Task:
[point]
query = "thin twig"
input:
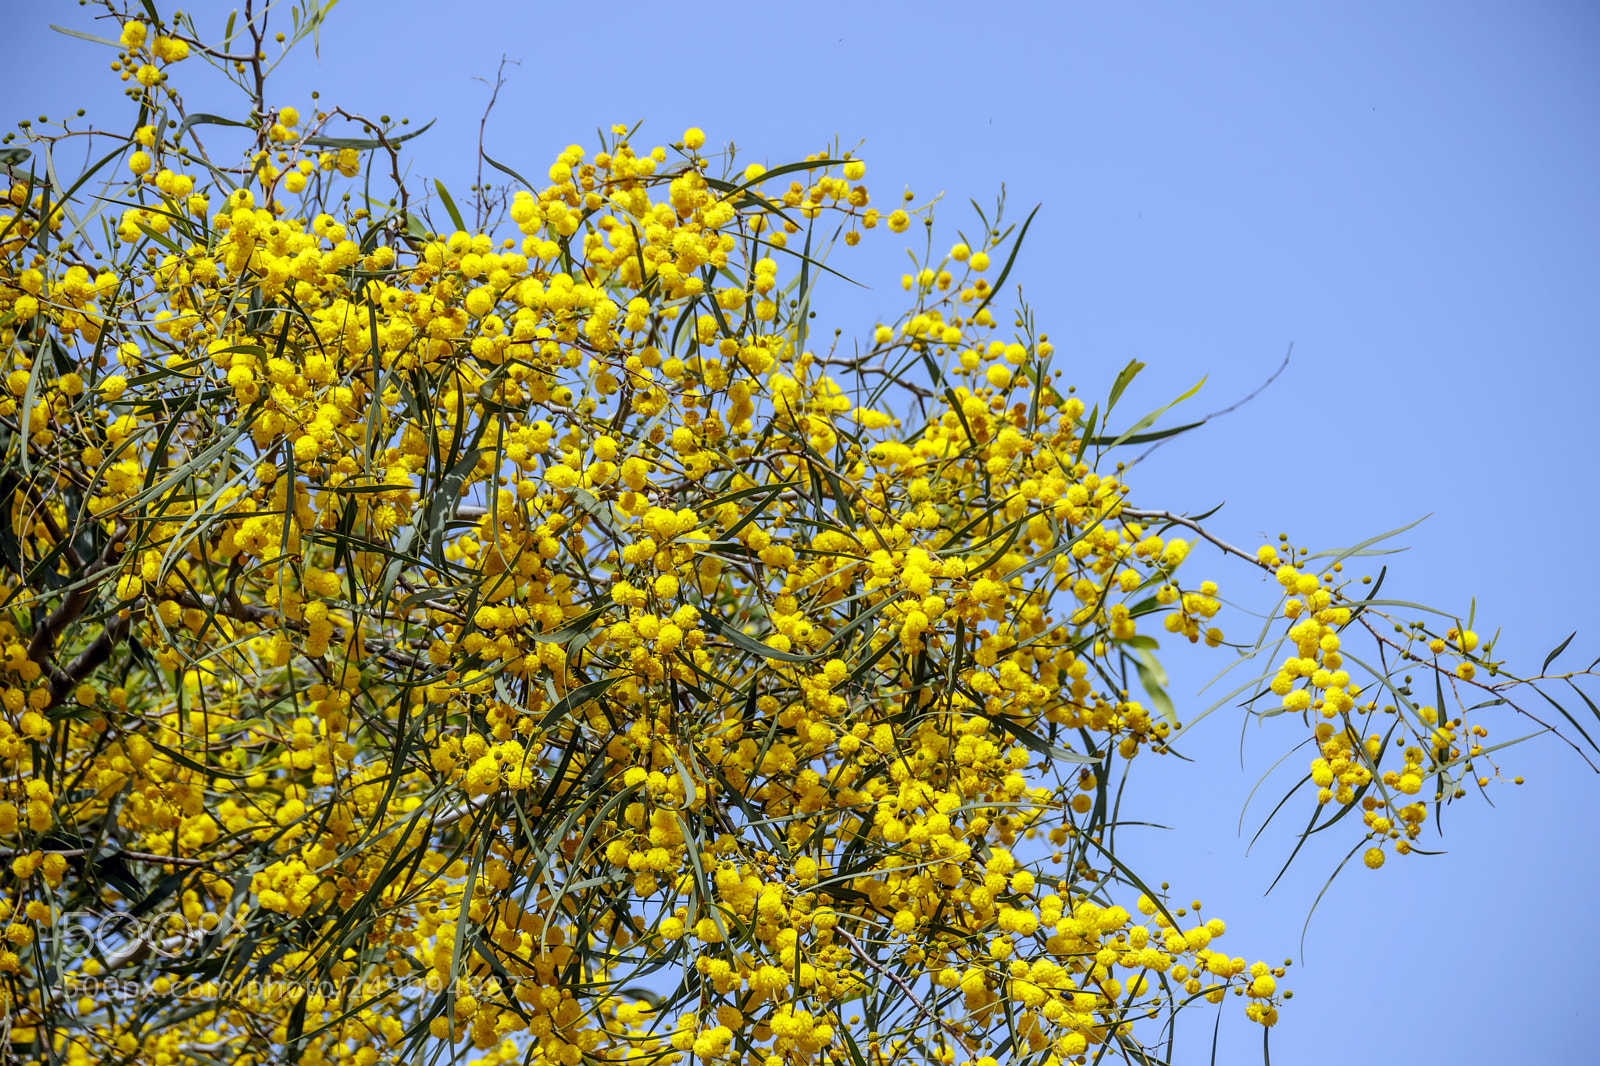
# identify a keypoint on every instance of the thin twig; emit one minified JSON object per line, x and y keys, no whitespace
{"x":855,"y":945}
{"x":381,"y":137}
{"x":499,"y":83}
{"x":1497,"y":690}
{"x":1226,"y":410}
{"x":1168,"y":516}
{"x":210,"y":51}
{"x":131,"y":856}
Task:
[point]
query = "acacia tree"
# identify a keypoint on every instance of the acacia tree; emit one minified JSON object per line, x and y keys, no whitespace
{"x":515,"y":639}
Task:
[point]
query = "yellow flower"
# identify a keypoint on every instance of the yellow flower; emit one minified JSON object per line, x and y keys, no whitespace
{"x":170,"y":49}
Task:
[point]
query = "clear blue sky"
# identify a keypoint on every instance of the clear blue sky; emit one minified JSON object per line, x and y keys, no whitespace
{"x":1407,"y":192}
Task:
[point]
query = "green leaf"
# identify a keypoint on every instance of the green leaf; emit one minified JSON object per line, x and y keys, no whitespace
{"x":313,"y":26}
{"x":502,"y":168}
{"x":183,"y":760}
{"x":579,"y":627}
{"x":1548,"y":659}
{"x":1340,"y":554}
{"x":1150,"y":419}
{"x":688,"y":781}
{"x":1034,"y":742}
{"x":576,"y":699}
{"x":806,"y":260}
{"x":1088,"y":433}
{"x":1016,"y":246}
{"x":23,"y":440}
{"x":600,"y":512}
{"x":1154,"y":680}
{"x":1328,"y":884}
{"x":161,"y":239}
{"x":1408,"y":605}
{"x":363,"y":143}
{"x":787,"y":168}
{"x":748,"y":196}
{"x":201,"y":118}
{"x":802,"y":314}
{"x":1124,"y":377}
{"x":1132,"y":877}
{"x":858,"y":621}
{"x":856,"y":1058}
{"x":445,"y":497}
{"x":1146,"y":438}
{"x":702,"y":882}
{"x":771,"y":492}
{"x":750,"y":644}
{"x":357,"y":489}
{"x":1568,"y":715}
{"x":86,"y":36}
{"x":595,"y":823}
{"x":652,"y":998}
{"x":449,"y":204}
{"x":1041,"y":377}
{"x":1376,"y":585}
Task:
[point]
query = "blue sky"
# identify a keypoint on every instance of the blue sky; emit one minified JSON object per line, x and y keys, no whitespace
{"x":1404,"y":191}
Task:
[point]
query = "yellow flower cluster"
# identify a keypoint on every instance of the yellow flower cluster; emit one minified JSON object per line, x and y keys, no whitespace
{"x":497,"y":616}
